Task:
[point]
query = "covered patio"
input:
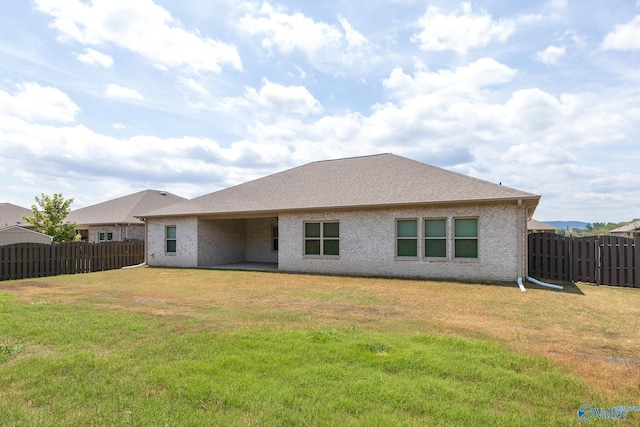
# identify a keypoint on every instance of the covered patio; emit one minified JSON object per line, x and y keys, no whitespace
{"x":238,"y":243}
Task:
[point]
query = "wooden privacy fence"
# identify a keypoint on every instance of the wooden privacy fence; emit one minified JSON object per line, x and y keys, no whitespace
{"x":26,"y":260}
{"x":603,"y":260}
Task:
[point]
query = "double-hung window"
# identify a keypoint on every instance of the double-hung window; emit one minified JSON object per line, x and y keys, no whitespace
{"x":435,"y":238}
{"x":171,"y":239}
{"x":322,"y":238}
{"x":466,"y":237}
{"x":407,"y":238}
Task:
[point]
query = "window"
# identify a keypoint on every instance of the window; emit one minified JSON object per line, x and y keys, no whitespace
{"x":407,"y":237}
{"x":322,"y":238}
{"x":466,"y":238}
{"x":435,"y":238}
{"x":105,"y":237}
{"x":171,"y":239}
{"x":274,"y":238}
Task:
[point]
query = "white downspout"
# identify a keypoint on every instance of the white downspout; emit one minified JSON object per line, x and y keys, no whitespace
{"x":126,"y":267}
{"x":521,"y":285}
{"x":519,"y":245}
{"x":548,"y":285}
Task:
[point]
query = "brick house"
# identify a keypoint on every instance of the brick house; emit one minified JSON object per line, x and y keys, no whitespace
{"x":380,"y":215}
{"x":116,"y":220}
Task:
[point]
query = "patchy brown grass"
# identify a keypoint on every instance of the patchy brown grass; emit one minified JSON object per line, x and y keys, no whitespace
{"x":591,"y":331}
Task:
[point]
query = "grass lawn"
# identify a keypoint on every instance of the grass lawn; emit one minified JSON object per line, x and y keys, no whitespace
{"x":174,"y":347}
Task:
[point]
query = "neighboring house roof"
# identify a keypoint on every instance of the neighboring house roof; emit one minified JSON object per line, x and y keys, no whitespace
{"x":633,"y":227}
{"x":535,"y":225}
{"x":123,"y":210}
{"x":359,"y":182}
{"x":12,"y":215}
{"x":14,"y":230}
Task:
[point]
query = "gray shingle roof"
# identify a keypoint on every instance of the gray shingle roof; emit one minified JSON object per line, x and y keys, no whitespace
{"x":123,"y":210}
{"x":534,"y":224}
{"x":369,"y":181}
{"x":629,"y":228}
{"x":12,"y":215}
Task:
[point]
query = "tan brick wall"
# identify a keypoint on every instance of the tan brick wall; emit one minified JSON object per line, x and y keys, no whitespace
{"x":187,"y":242}
{"x":258,"y":243}
{"x":133,"y":232}
{"x":221,"y":241}
{"x":368,"y":244}
{"x":120,"y":232}
{"x":95,"y":230}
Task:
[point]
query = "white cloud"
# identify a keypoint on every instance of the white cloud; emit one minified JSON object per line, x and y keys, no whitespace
{"x":278,"y":100}
{"x":93,"y":57}
{"x":353,"y":37}
{"x":468,"y":79}
{"x":290,"y":32}
{"x":320,"y":42}
{"x":460,"y":31}
{"x":624,"y":37}
{"x":142,"y":27}
{"x":575,"y":37}
{"x":60,"y":159}
{"x":35,"y":103}
{"x":120,"y":92}
{"x":539,"y":154}
{"x":192,"y":85}
{"x":533,"y":110}
{"x":551,"y":55}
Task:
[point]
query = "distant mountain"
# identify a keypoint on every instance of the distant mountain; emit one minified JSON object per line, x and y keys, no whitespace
{"x":562,"y":225}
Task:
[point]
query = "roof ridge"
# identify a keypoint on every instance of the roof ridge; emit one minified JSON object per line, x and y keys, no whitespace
{"x":351,"y":158}
{"x":141,"y":193}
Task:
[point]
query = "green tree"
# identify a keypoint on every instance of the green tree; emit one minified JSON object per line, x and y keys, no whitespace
{"x":49,"y":218}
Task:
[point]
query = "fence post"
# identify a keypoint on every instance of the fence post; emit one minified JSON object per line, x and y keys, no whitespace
{"x":598,"y":260}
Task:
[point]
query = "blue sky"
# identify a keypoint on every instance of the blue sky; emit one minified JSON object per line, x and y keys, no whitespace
{"x":103,"y":98}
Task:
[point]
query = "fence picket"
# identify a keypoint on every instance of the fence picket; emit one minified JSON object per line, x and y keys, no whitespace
{"x":26,"y":260}
{"x":603,"y":260}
